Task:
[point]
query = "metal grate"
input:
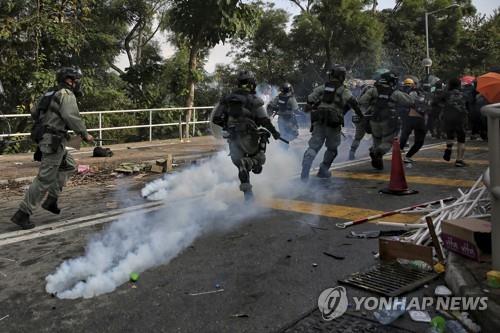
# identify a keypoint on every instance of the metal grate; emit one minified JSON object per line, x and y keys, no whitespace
{"x":313,"y":323}
{"x":389,"y":279}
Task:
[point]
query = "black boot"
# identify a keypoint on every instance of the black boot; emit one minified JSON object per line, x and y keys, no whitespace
{"x":50,"y":204}
{"x":22,"y":219}
{"x":377,"y":161}
{"x":324,"y":172}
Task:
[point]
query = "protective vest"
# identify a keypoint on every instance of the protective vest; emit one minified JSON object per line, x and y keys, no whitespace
{"x":384,"y":107}
{"x":39,"y":128}
{"x":241,"y":124}
{"x":283,"y":109}
{"x":330,"y":111}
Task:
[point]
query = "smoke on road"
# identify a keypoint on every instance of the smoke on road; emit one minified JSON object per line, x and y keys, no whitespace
{"x":138,"y":241}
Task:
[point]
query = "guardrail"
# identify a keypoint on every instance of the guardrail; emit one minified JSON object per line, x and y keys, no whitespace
{"x":493,"y":113}
{"x":100,"y":114}
{"x":151,"y":125}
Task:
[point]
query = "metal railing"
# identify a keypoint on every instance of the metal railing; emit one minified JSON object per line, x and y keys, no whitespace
{"x":150,"y":125}
{"x":493,"y":113}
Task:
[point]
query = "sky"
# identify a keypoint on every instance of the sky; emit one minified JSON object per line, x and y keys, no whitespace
{"x":219,"y":53}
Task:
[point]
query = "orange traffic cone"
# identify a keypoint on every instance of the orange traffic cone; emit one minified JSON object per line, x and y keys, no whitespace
{"x":397,"y":184}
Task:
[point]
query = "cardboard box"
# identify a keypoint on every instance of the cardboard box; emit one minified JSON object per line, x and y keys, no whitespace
{"x":391,"y":249}
{"x":468,"y":237}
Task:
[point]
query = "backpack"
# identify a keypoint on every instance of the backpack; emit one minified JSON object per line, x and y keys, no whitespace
{"x":102,"y":152}
{"x":38,"y":129}
{"x":454,"y":103}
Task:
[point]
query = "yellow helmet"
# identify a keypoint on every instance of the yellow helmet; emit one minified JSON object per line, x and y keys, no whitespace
{"x":408,"y":82}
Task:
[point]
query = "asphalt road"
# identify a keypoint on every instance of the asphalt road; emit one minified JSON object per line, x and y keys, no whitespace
{"x":270,"y":265}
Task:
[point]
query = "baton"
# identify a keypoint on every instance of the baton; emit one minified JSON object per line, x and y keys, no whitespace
{"x":393,"y":212}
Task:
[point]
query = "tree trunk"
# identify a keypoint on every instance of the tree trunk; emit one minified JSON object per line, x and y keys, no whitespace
{"x":193,"y":62}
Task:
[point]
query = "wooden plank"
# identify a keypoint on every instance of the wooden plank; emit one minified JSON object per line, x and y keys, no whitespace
{"x":391,"y":250}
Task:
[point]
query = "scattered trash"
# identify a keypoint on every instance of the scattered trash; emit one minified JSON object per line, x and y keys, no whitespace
{"x":18,"y":163}
{"x":139,"y":176}
{"x":493,"y":278}
{"x":387,"y":316}
{"x":102,"y":152}
{"x":217,"y":286}
{"x":468,"y":323}
{"x":420,"y":316}
{"x":134,"y":277}
{"x":375,"y":233}
{"x":4,"y":317}
{"x":334,"y":256}
{"x":315,"y":264}
{"x":130,"y":168}
{"x":83,"y":168}
{"x":207,"y":292}
{"x":453,"y":326}
{"x":133,"y":286}
{"x":416,"y":264}
{"x":437,"y":324}
{"x":442,"y":291}
{"x":239,"y":315}
{"x":439,"y":268}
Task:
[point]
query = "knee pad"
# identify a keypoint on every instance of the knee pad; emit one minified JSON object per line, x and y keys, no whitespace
{"x":245,"y":187}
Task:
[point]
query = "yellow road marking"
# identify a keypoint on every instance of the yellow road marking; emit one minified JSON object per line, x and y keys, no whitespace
{"x":334,"y":211}
{"x":409,"y":179}
{"x":440,"y":160}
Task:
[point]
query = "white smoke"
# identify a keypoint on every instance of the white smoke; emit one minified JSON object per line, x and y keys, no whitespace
{"x":138,"y":241}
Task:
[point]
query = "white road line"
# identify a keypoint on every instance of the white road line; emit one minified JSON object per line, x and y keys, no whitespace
{"x":93,"y":220}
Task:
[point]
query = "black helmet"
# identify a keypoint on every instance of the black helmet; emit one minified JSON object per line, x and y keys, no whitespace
{"x":337,"y":73}
{"x":246,"y":79}
{"x":286,"y":88}
{"x":389,"y":77}
{"x":68,"y":72}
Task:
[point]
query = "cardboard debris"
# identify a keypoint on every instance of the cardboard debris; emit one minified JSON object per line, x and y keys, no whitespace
{"x":82,"y":168}
{"x":468,"y":237}
{"x":130,"y":168}
{"x":393,"y":249}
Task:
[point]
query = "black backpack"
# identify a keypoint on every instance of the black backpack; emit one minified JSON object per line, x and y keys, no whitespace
{"x":38,"y":129}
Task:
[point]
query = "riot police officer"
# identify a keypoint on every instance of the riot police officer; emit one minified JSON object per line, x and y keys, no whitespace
{"x":328,"y":104}
{"x":380,"y":102}
{"x":242,"y":116}
{"x":58,"y":113}
{"x":285,"y":105}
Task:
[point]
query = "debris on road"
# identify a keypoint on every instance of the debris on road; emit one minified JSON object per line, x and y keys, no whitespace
{"x":83,"y":168}
{"x":207,"y":292}
{"x":420,"y":316}
{"x":134,"y":277}
{"x":240,"y":315}
{"x":314,"y":264}
{"x":344,"y":225}
{"x":130,"y":168}
{"x":376,"y":233}
{"x":4,"y":317}
{"x":442,"y":291}
{"x":3,"y":274}
{"x":334,"y":256}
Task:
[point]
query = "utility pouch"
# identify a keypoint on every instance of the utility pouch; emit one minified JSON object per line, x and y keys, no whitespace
{"x":56,"y":142}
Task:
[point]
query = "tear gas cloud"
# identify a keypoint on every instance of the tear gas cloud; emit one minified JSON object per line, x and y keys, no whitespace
{"x":140,"y":241}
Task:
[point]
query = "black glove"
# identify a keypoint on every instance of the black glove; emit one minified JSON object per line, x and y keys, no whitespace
{"x":37,"y":156}
{"x":276,"y":135}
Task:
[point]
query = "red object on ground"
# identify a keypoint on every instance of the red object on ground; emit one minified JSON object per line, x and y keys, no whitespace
{"x":488,"y":85}
{"x":467,"y":80}
{"x":397,"y":184}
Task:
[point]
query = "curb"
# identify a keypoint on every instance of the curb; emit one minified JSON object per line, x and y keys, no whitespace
{"x":464,"y":284}
{"x":185,"y":158}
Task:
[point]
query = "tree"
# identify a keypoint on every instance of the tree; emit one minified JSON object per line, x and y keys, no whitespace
{"x":267,"y":51}
{"x":202,"y":25}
